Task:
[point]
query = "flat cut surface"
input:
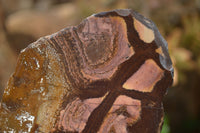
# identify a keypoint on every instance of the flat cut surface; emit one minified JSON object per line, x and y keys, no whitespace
{"x":109,"y":74}
{"x":138,"y":80}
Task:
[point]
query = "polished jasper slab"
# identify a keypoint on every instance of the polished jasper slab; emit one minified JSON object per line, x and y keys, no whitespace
{"x":108,"y":74}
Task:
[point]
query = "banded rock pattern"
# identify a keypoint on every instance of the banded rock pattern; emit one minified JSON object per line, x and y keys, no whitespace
{"x":107,"y":75}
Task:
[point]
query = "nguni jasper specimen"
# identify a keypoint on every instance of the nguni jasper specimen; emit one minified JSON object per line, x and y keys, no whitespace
{"x":109,"y":74}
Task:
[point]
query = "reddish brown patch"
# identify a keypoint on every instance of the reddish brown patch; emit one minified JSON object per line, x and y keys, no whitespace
{"x":106,"y":45}
{"x":125,"y":111}
{"x":139,"y":81}
{"x":74,"y":117}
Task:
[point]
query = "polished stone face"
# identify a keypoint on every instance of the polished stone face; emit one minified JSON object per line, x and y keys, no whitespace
{"x":108,"y":74}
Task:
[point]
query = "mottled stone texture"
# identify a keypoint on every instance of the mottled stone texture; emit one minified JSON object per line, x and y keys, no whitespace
{"x":107,"y":75}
